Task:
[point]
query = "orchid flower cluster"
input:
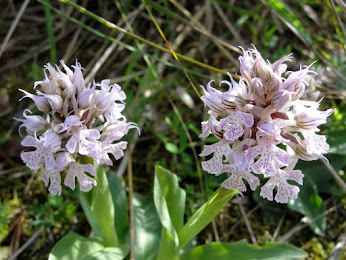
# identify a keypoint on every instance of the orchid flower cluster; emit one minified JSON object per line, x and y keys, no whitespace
{"x":255,"y":119}
{"x":78,"y":123}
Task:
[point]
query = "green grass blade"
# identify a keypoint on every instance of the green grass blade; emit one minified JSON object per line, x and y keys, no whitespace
{"x":50,"y":32}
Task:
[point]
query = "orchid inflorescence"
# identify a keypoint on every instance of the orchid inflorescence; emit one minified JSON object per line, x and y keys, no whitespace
{"x":255,"y":119}
{"x":79,"y":124}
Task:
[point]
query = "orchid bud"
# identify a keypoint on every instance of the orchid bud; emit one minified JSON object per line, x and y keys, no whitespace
{"x":55,"y":101}
{"x":256,"y":87}
{"x":78,"y":79}
{"x":246,"y":63}
{"x":102,"y":100}
{"x":261,"y":69}
{"x":32,"y":123}
{"x":84,"y":97}
{"x":274,"y":83}
{"x":281,"y":98}
{"x":310,"y":118}
{"x":41,"y":103}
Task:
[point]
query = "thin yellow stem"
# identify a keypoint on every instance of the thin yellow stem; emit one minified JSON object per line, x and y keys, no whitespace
{"x":134,"y":36}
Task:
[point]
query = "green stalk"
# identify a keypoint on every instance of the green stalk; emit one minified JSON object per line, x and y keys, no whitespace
{"x":204,"y":215}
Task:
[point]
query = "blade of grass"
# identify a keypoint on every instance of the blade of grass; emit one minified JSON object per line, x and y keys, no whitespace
{"x":338,"y":25}
{"x":126,"y":46}
{"x":50,"y":32}
{"x":176,"y":111}
{"x":134,"y":36}
{"x":287,"y":16}
{"x":200,"y":28}
{"x":170,"y":48}
{"x":13,"y":26}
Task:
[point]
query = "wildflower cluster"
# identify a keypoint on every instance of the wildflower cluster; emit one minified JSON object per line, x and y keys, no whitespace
{"x":255,"y":119}
{"x":78,"y":122}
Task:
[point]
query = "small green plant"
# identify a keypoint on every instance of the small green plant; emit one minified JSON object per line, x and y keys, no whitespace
{"x":53,"y":211}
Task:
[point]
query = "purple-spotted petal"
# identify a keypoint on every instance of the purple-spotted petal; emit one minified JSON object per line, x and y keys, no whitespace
{"x":284,"y":189}
{"x":271,"y":158}
{"x":220,"y":150}
{"x":235,"y":181}
{"x":55,"y":181}
{"x":76,"y":170}
{"x":117,"y":150}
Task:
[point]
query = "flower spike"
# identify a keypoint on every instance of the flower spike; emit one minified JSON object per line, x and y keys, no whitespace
{"x":256,"y":115}
{"x":76,"y":121}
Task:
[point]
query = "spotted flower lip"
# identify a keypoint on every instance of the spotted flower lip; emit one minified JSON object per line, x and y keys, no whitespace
{"x":76,"y":120}
{"x":263,"y":127}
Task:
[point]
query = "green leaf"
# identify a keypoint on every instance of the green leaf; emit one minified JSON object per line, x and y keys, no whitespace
{"x":74,"y":246}
{"x":240,"y":250}
{"x":168,"y":248}
{"x":147,"y":228}
{"x":83,"y":198}
{"x":99,"y":209}
{"x":169,"y":201}
{"x":317,"y":175}
{"x":108,"y":253}
{"x":288,"y":17}
{"x":337,"y":141}
{"x":120,"y":203}
{"x":205,"y":214}
{"x":308,"y":204}
{"x":172,"y":148}
{"x":317,"y":180}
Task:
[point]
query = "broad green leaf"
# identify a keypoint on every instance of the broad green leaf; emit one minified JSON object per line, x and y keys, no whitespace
{"x":147,"y":228}
{"x":108,"y":253}
{"x":83,"y":198}
{"x":337,"y":141}
{"x":120,"y":203}
{"x":74,"y":246}
{"x":317,"y":175}
{"x":308,"y":203}
{"x":168,"y":248}
{"x":169,"y":201}
{"x":317,"y":180}
{"x":205,"y":214}
{"x":102,"y":208}
{"x":240,"y":250}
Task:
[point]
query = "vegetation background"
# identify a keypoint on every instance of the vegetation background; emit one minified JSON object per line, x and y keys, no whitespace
{"x":162,"y":99}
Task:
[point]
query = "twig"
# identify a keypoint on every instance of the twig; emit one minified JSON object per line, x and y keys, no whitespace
{"x":247,"y":223}
{"x":200,"y":28}
{"x":228,"y":23}
{"x":134,"y":36}
{"x":13,"y":25}
{"x":338,"y":248}
{"x":216,"y":233}
{"x":278,"y":228}
{"x":132,"y":219}
{"x":335,"y":174}
{"x":26,"y":244}
{"x":239,"y":222}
